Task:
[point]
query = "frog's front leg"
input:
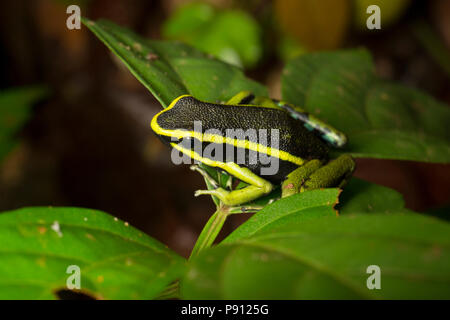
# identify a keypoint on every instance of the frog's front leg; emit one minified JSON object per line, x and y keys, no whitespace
{"x":257,"y":186}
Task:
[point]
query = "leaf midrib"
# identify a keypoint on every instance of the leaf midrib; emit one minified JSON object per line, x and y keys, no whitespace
{"x":262,"y":226}
{"x":303,"y":234}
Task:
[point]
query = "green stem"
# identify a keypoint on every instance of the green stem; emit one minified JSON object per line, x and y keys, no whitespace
{"x":210,"y":231}
{"x":171,"y":292}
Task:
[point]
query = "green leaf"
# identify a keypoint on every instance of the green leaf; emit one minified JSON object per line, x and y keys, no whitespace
{"x":231,"y":35}
{"x":169,"y":69}
{"x":188,"y":19}
{"x":358,"y":196}
{"x":15,"y":111}
{"x":381,"y":119}
{"x":365,"y":197}
{"x":116,"y":260}
{"x":327,"y":258}
{"x":306,"y":205}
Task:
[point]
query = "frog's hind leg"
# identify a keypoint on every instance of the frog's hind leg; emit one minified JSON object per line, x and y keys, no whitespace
{"x":248,"y":98}
{"x":295,"y":180}
{"x":334,"y":174}
{"x":314,"y":175}
{"x":243,"y":97}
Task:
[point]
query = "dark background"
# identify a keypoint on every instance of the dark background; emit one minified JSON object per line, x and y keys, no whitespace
{"x":89,"y":144}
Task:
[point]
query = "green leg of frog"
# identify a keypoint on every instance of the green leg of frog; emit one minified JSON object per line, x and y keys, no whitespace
{"x":215,"y":184}
{"x":295,"y":180}
{"x":247,"y":97}
{"x":257,"y":185}
{"x":314,"y":175}
{"x":257,"y":188}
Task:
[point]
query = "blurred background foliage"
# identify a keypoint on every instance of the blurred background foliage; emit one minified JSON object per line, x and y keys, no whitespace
{"x":75,"y":123}
{"x":231,"y":35}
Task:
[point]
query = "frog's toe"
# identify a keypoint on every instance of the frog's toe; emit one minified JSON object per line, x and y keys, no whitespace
{"x":202,"y":192}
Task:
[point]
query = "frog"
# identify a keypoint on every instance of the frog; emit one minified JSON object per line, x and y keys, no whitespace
{"x":301,"y":147}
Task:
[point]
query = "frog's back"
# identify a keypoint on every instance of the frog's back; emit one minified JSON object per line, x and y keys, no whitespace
{"x":293,"y":137}
{"x":272,"y":128}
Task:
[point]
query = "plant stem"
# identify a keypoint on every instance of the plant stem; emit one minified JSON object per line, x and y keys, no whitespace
{"x":210,"y":231}
{"x":171,"y":292}
{"x":205,"y":240}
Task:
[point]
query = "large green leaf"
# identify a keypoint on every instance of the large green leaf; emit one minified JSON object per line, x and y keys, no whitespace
{"x":358,"y":196}
{"x":37,"y":245}
{"x":306,"y":205}
{"x":365,"y":197}
{"x":231,"y":35}
{"x":169,"y":69}
{"x":15,"y":110}
{"x":299,"y":258}
{"x":381,"y":119}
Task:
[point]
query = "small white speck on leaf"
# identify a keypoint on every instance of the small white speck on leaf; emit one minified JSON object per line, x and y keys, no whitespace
{"x":55,"y":227}
{"x":115,"y":219}
{"x":126,"y":224}
{"x":151,"y":56}
{"x":137,"y":46}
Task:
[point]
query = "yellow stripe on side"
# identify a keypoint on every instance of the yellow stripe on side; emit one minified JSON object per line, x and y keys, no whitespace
{"x":242,"y":173}
{"x":257,"y":147}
